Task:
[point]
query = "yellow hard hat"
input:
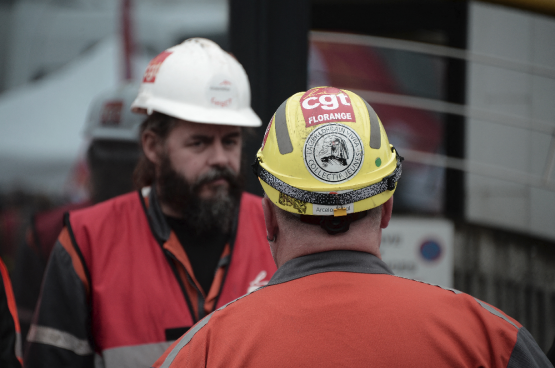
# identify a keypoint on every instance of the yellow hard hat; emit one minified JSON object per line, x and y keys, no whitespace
{"x":325,"y":153}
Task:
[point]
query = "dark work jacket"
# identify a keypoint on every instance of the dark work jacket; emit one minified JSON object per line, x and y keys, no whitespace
{"x":32,"y":257}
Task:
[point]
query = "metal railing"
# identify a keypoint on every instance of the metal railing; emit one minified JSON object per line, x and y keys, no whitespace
{"x":470,"y":113}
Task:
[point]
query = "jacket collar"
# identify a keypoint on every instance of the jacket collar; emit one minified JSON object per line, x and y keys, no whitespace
{"x":158,"y":223}
{"x":331,"y":261}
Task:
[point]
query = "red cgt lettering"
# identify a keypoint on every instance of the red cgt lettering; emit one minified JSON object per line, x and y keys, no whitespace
{"x":326,"y":105}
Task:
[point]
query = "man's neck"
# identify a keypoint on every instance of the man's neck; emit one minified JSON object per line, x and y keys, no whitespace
{"x":300,"y":249}
{"x":293,"y":244}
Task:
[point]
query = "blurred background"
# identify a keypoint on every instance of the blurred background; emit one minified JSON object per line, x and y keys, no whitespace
{"x":465,"y":90}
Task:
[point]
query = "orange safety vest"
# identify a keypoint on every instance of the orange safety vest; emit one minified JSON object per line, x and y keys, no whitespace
{"x":10,"y":339}
{"x":140,"y":290}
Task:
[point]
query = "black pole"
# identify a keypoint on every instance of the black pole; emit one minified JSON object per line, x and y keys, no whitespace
{"x":270,"y":40}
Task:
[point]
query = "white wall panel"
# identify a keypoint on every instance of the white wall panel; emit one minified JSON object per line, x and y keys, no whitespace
{"x":542,"y":219}
{"x":543,"y":42}
{"x":522,"y":37}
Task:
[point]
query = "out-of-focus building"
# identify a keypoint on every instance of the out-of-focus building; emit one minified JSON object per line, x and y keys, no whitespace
{"x":41,"y":37}
{"x":56,"y":57}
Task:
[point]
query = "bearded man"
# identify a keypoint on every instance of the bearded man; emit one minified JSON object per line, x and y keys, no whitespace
{"x":130,"y":275}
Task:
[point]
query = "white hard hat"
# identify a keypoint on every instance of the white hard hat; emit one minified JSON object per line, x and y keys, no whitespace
{"x":110,"y":116}
{"x":199,"y":82}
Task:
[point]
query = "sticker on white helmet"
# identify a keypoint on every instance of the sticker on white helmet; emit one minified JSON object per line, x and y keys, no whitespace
{"x":154,"y":66}
{"x":222,"y":93}
{"x":333,"y":153}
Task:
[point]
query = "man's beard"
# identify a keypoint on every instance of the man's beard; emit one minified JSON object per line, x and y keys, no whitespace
{"x":201,"y":214}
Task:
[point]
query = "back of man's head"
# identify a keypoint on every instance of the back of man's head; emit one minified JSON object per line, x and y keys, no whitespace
{"x":327,"y":169}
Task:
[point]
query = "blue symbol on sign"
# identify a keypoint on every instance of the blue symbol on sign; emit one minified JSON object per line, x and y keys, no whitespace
{"x":430,"y":250}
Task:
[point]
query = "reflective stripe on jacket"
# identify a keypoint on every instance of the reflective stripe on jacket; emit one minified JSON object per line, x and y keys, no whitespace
{"x":119,"y":284}
{"x":10,"y":334}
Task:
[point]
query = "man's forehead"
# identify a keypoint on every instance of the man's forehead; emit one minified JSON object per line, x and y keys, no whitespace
{"x":207,"y":129}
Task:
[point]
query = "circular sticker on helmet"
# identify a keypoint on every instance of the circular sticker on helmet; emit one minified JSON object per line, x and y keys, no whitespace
{"x":222,"y":92}
{"x":333,"y":153}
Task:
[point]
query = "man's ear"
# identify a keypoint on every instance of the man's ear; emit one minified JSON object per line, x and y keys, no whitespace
{"x":269,"y":217}
{"x":387,"y":208}
{"x":151,"y":146}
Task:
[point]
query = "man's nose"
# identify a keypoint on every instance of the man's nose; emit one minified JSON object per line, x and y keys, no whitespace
{"x":218,"y":155}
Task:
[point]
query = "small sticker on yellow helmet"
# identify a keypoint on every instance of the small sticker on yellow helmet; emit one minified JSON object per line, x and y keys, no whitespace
{"x":339,"y":212}
{"x":299,"y":205}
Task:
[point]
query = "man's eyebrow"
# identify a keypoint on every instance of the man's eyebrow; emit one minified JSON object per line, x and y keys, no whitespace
{"x":210,"y":138}
{"x":232,"y":135}
{"x":202,"y":137}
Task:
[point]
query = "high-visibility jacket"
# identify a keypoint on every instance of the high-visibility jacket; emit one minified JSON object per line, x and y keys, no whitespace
{"x":32,"y":256}
{"x":346,"y":309}
{"x":10,"y":336}
{"x":119,"y":284}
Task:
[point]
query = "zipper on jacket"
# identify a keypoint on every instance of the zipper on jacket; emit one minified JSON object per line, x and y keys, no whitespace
{"x":170,"y":257}
{"x":201,"y":301}
{"x":232,"y":238}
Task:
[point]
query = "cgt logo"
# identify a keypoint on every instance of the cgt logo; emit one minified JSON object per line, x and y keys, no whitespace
{"x":326,"y":105}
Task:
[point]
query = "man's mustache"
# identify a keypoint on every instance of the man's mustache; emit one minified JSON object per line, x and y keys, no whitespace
{"x":214,"y":174}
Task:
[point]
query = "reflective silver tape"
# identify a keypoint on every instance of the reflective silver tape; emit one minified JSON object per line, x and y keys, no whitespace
{"x":332,"y":199}
{"x":484,"y":305}
{"x":375,"y":131}
{"x":185,"y":340}
{"x":133,"y":356}
{"x":60,"y":339}
{"x":494,"y":311}
{"x":18,"y":346}
{"x":282,"y":132}
{"x":98,"y":361}
{"x":455,"y":291}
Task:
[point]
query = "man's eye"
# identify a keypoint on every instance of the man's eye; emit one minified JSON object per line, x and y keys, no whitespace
{"x":230,"y":142}
{"x":196,"y":143}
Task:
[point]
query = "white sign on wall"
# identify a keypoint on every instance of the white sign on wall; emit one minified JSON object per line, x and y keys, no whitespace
{"x":420,"y":249}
